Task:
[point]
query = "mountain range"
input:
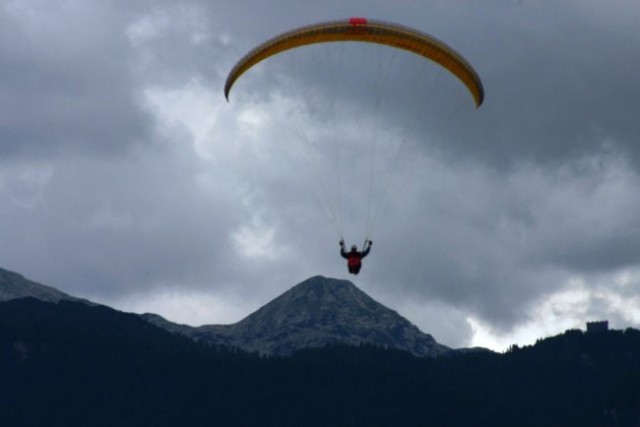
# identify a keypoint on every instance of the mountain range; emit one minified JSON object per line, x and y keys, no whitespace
{"x":317,"y":312}
{"x":67,"y":362}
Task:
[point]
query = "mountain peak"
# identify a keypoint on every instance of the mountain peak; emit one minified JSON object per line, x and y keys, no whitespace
{"x":322,"y":311}
{"x":320,"y":301}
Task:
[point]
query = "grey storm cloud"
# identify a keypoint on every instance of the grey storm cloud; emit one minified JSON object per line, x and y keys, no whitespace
{"x":124,"y":170}
{"x":66,"y":80}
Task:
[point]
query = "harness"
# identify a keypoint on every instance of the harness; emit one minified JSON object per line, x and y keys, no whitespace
{"x":354,"y":261}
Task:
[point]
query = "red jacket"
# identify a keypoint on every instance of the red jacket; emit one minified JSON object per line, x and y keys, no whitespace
{"x":354,"y":256}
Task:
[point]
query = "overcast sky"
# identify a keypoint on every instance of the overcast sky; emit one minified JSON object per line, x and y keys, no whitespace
{"x":128,"y":179}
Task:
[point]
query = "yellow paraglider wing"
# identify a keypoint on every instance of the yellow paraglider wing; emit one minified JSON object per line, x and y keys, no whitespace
{"x":363,"y":30}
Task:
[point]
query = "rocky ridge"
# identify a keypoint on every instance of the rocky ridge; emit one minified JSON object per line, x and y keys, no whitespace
{"x":14,"y":286}
{"x":317,"y":312}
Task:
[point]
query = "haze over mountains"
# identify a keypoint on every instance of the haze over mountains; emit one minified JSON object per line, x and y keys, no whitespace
{"x":317,"y":312}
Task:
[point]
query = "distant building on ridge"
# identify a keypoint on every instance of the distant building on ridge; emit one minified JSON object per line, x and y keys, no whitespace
{"x":599,"y":326}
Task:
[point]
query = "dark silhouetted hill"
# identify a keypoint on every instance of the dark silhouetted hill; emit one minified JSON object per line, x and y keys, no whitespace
{"x":73,"y":364}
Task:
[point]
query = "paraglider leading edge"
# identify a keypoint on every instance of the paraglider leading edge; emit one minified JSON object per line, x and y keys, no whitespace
{"x":364,"y":30}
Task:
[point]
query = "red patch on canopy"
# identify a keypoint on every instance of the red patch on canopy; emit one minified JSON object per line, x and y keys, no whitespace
{"x":358,"y":21}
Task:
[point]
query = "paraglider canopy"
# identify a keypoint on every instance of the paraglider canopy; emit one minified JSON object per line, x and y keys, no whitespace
{"x":363,"y":30}
{"x":353,"y":61}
